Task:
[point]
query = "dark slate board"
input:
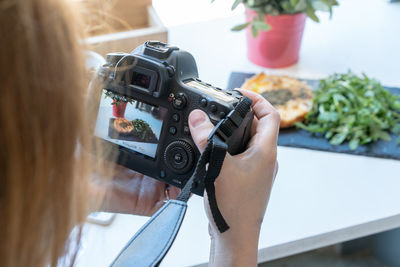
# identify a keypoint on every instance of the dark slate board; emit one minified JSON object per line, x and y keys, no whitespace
{"x":293,"y":137}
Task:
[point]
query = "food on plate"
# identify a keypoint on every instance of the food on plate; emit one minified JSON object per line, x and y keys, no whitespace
{"x":291,"y":97}
{"x":347,"y":107}
{"x":123,"y":126}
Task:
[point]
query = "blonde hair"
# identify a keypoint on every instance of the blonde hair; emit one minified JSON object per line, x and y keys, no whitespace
{"x":43,"y":131}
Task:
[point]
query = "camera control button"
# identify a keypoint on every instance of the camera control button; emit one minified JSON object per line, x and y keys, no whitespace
{"x":213,"y":108}
{"x":179,"y":101}
{"x":172,"y":130}
{"x":186,"y":129}
{"x":203,"y":102}
{"x":171,"y":71}
{"x":222,"y":114}
{"x":179,"y":156}
{"x":175,"y":117}
{"x":162,"y":174}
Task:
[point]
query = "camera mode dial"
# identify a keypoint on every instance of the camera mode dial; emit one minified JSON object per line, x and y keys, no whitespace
{"x":179,"y":101}
{"x":179,"y":156}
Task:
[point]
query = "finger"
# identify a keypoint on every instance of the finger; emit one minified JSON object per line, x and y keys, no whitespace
{"x":173,"y":192}
{"x":254,"y":123}
{"x":170,"y":192}
{"x":276,"y":169}
{"x":151,"y":196}
{"x":268,"y":117}
{"x":254,"y":126}
{"x":155,"y":208}
{"x":200,"y":128}
{"x":261,"y":106}
{"x":122,"y":173}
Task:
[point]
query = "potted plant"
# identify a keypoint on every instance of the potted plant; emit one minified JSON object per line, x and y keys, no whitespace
{"x":274,"y":28}
{"x":119,"y":103}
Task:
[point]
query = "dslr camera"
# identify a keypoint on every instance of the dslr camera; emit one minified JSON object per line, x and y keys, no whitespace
{"x":143,"y":109}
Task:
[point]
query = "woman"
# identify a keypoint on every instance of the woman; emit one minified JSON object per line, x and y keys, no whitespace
{"x":46,"y":185}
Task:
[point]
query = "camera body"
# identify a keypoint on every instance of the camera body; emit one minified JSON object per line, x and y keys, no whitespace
{"x":151,"y":93}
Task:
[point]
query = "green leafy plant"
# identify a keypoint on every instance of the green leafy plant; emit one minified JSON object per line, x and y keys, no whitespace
{"x":143,"y":130}
{"x":117,"y":98}
{"x":347,"y":107}
{"x":280,"y":7}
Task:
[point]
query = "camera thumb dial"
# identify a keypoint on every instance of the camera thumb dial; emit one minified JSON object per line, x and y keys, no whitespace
{"x":179,"y":156}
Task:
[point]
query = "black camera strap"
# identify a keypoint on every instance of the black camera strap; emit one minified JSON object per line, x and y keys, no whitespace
{"x":152,"y":242}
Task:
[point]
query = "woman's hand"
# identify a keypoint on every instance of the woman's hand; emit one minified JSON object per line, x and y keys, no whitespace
{"x":243,"y":186}
{"x":132,"y":192}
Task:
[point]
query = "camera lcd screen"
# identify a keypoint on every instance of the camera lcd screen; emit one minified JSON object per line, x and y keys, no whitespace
{"x":129,"y":123}
{"x":141,"y":80}
{"x":210,"y":91}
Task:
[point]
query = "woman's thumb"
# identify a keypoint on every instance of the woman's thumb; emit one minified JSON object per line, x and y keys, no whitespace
{"x":200,"y":128}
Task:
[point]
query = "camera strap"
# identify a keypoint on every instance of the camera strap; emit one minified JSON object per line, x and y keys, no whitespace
{"x":152,"y":242}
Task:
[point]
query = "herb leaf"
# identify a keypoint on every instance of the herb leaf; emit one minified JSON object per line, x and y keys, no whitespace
{"x":347,"y":107}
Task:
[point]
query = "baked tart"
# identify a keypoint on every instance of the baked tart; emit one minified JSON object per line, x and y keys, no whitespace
{"x":123,"y":126}
{"x":291,"y":97}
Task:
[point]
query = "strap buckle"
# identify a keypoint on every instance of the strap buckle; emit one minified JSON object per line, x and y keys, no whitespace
{"x":226,"y":126}
{"x":217,"y":131}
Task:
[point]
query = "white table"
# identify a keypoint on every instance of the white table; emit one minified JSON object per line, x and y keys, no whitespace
{"x":319,"y":198}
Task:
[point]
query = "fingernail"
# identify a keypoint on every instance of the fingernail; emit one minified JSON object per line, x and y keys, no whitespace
{"x":196,"y":118}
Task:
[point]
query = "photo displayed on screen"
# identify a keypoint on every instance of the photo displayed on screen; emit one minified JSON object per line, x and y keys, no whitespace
{"x":129,"y":123}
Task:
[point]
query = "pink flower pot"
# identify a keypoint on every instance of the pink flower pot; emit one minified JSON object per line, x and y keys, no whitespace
{"x":119,"y":109}
{"x":279,"y":47}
